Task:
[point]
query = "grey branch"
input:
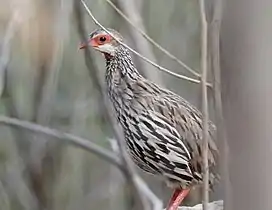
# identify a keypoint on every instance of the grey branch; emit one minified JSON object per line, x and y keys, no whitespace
{"x":214,"y":50}
{"x":204,"y":56}
{"x":66,"y":137}
{"x":50,"y":84}
{"x":141,"y":56}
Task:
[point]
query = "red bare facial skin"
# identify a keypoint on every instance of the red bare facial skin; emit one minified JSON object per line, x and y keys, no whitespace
{"x":96,"y":41}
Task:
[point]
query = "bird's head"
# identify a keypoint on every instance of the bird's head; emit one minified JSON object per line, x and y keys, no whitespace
{"x":102,"y":41}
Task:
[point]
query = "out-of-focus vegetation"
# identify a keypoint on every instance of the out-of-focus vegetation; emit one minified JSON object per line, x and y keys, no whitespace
{"x":46,"y":82}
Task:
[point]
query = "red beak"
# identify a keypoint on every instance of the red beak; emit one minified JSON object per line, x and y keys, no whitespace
{"x":90,"y":42}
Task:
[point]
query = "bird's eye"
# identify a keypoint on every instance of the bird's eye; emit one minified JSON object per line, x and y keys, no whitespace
{"x":102,"y":39}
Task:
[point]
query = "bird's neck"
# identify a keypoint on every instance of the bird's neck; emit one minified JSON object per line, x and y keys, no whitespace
{"x":121,"y":74}
{"x":121,"y":65}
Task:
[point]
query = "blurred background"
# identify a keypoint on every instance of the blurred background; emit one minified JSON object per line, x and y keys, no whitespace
{"x":44,"y":79}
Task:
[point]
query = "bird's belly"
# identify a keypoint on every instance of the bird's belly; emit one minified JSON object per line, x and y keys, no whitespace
{"x":139,"y":156}
{"x":154,"y":154}
{"x":147,"y":160}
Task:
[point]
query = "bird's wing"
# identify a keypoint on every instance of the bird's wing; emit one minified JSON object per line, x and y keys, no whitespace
{"x":178,"y":123}
{"x":162,"y":146}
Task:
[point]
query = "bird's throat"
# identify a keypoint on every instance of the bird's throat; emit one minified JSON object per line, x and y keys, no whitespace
{"x":107,"y":56}
{"x":121,"y":76}
{"x":120,"y":67}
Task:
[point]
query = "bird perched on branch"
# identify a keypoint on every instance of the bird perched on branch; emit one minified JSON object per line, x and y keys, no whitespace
{"x":163,"y":131}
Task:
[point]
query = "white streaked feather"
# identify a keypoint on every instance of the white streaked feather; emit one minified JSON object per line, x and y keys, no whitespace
{"x":164,"y":132}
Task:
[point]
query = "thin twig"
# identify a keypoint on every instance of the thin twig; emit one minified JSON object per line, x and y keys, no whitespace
{"x":50,"y":79}
{"x":118,"y":183}
{"x":204,"y":57}
{"x":158,"y":46}
{"x":138,"y":54}
{"x":66,"y":137}
{"x":214,"y":32}
{"x":157,"y":203}
{"x":14,"y":174}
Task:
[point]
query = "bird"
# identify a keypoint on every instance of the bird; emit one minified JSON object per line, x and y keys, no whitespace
{"x":163,"y":131}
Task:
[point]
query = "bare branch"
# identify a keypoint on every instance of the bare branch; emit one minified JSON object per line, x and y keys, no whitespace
{"x":15,"y":173}
{"x":50,"y":83}
{"x":158,"y":46}
{"x":214,"y":33}
{"x":66,"y":137}
{"x":204,"y":57}
{"x":138,"y":54}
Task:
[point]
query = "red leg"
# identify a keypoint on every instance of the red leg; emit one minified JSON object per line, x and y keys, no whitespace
{"x":177,"y":197}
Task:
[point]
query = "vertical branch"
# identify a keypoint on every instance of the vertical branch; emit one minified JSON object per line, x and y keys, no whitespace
{"x":214,"y":47}
{"x":117,"y":183}
{"x":46,"y":90}
{"x":204,"y":57}
{"x":50,"y":86}
{"x":15,"y":182}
